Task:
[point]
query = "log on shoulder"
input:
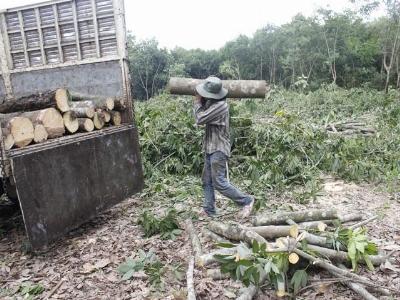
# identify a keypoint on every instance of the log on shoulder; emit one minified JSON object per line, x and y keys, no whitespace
{"x":236,"y":88}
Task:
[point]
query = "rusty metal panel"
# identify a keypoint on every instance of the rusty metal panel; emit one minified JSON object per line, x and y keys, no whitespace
{"x":64,"y":185}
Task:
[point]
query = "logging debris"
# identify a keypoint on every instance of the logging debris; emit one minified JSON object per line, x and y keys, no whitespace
{"x":262,"y":246}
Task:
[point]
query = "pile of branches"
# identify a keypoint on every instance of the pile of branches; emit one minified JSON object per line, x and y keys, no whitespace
{"x":280,"y":248}
{"x":351,"y":127}
{"x":52,"y":114}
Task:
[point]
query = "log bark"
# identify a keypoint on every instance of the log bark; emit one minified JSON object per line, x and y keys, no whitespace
{"x":236,"y":88}
{"x":213,"y":236}
{"x":85,"y":124}
{"x":236,"y":232}
{"x":299,"y":216}
{"x":341,"y":218}
{"x":8,"y":139}
{"x":341,"y":256}
{"x":98,"y":120}
{"x":196,"y":245}
{"x":83,"y":109}
{"x":40,"y":134}
{"x":116,"y":118}
{"x":98,"y":101}
{"x":70,"y":122}
{"x":358,"y":288}
{"x":50,"y":118}
{"x":21,"y":129}
{"x":58,"y":99}
{"x":362,"y":223}
{"x":189,"y":280}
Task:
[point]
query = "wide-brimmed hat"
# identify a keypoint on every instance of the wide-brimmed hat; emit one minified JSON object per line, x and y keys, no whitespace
{"x":212,"y":89}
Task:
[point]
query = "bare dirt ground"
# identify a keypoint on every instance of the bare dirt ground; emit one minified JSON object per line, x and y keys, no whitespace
{"x":84,"y":264}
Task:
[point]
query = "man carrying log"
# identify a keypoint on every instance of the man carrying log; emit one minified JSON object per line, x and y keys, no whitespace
{"x":211,"y":109}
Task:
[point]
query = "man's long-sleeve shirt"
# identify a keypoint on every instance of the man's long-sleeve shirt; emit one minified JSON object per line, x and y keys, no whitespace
{"x":215,"y":116}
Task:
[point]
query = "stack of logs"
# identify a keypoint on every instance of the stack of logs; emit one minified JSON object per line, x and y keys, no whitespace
{"x":286,"y":230}
{"x":49,"y":115}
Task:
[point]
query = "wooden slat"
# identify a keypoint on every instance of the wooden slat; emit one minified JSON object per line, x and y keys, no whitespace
{"x":21,"y":25}
{"x":58,"y":33}
{"x":39,"y":29}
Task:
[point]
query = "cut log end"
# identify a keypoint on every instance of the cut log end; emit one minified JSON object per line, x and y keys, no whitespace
{"x":70,"y":122}
{"x":116,"y":118}
{"x":85,"y":124}
{"x":107,"y":116}
{"x":40,"y":134}
{"x":98,"y":120}
{"x":22,"y":131}
{"x":62,"y":98}
{"x":109,"y":103}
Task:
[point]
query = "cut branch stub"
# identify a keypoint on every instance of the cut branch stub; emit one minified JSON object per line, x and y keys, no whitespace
{"x":300,"y":216}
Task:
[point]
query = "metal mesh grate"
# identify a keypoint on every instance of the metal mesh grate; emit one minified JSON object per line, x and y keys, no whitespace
{"x":61,"y":32}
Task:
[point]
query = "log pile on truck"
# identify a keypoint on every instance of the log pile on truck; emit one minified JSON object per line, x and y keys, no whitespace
{"x":49,"y":115}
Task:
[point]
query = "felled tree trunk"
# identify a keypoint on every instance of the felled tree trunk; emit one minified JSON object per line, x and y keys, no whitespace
{"x":50,"y":118}
{"x":70,"y":122}
{"x":299,"y":216}
{"x":85,"y":124}
{"x":97,"y":101}
{"x":58,"y":99}
{"x":83,"y":109}
{"x":358,"y":288}
{"x":21,"y":129}
{"x":236,"y":232}
{"x":236,"y":88}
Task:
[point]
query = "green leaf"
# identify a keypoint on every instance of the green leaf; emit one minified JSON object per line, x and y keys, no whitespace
{"x":299,"y":280}
{"x":226,"y":245}
{"x":128,"y":275}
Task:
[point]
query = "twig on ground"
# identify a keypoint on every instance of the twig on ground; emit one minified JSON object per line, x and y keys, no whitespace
{"x":358,"y":288}
{"x":57,"y":286}
{"x":191,"y":294}
{"x":362,"y":223}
